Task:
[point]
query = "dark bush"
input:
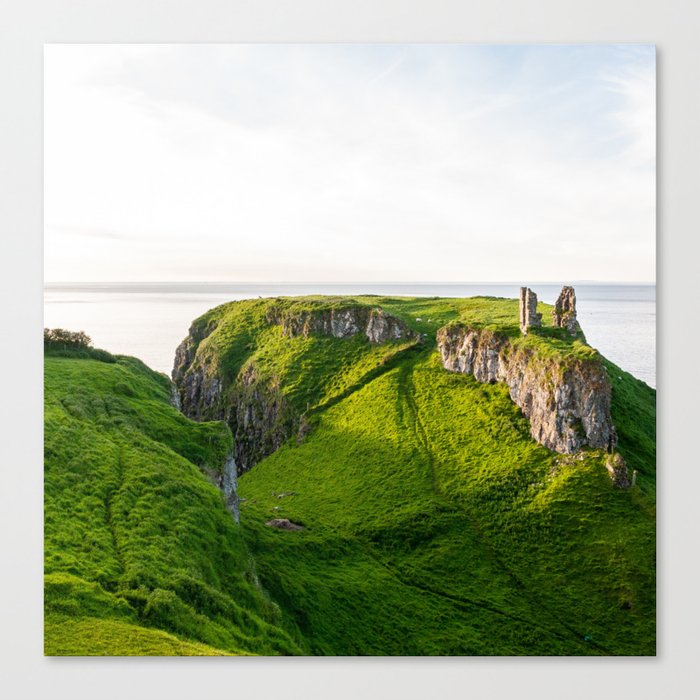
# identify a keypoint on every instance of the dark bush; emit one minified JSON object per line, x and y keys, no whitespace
{"x":59,"y":336}
{"x":59,"y":342}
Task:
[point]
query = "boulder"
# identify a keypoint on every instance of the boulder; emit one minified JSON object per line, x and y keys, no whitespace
{"x":284,"y":524}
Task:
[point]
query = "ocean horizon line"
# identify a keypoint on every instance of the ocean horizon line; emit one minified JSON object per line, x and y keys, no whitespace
{"x":223,"y":283}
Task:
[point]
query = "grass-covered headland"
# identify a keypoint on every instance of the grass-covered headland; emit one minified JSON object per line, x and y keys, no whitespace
{"x":432,"y":522}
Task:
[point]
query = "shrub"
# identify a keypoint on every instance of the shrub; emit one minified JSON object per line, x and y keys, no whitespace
{"x":59,"y":342}
{"x":59,"y":336}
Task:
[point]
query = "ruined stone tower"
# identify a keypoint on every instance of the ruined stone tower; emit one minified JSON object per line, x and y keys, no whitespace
{"x":564,"y":314}
{"x":529,"y":318}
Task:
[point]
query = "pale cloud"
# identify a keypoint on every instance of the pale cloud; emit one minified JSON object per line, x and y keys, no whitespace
{"x":349,"y":163}
{"x":386,"y":71}
{"x":635,"y":120}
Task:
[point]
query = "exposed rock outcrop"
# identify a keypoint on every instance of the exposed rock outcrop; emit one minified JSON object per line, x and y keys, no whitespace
{"x":617,"y":468}
{"x":284,"y":524}
{"x":529,"y":318}
{"x":228,"y":483}
{"x":200,"y":394}
{"x":198,"y":384}
{"x":175,"y":397}
{"x":260,"y":418}
{"x":564,"y":313}
{"x":344,"y":322}
{"x":567,"y":401}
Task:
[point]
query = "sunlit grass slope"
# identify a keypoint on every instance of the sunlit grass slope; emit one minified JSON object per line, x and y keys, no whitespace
{"x":141,"y":555}
{"x":434,"y":523}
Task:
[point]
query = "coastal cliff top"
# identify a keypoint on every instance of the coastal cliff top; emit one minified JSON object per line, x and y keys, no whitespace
{"x":228,"y":331}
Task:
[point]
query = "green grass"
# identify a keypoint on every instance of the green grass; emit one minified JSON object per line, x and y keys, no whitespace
{"x":85,"y":636}
{"x":134,"y":529}
{"x":308,"y":371}
{"x":434,"y":524}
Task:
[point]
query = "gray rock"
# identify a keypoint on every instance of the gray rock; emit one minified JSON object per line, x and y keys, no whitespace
{"x":260,"y":417}
{"x":199,"y":390}
{"x":382,"y":327}
{"x":618,"y":471}
{"x":567,"y":404}
{"x":529,"y":318}
{"x":228,"y":483}
{"x":284,"y":524}
{"x":344,"y":322}
{"x":175,"y":397}
{"x":564,"y":313}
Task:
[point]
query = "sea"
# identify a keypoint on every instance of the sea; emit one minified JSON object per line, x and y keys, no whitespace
{"x":148,"y":320}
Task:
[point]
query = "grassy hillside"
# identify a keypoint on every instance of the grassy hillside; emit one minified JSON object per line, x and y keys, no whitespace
{"x":141,"y":555}
{"x":434,"y":523}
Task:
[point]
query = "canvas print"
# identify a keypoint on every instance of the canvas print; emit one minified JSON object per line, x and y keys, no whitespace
{"x":350,"y":350}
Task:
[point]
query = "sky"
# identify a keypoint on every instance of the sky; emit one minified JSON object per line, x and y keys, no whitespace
{"x":349,"y":163}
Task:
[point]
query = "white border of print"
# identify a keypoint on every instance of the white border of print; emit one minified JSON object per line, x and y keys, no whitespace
{"x":25,"y":26}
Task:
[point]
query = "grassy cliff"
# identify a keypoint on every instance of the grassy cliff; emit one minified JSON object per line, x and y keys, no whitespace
{"x":141,"y":555}
{"x":433,"y":522}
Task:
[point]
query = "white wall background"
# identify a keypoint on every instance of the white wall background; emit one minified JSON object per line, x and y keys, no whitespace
{"x":25,"y":26}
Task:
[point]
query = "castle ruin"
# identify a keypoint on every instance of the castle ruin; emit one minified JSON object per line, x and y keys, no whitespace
{"x":529,"y":318}
{"x":564,"y":313}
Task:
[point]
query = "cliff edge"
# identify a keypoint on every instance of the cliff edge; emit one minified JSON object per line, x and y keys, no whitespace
{"x":249,"y":392}
{"x":565,"y":398}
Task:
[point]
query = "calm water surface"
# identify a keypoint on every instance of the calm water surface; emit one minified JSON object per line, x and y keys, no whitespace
{"x":150,"y":320}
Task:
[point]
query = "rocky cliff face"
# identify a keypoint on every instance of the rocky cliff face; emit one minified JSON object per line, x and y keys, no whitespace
{"x":227,"y":479}
{"x":567,"y":403}
{"x":377,"y":325}
{"x":260,"y":418}
{"x":228,"y":483}
{"x":197,"y":382}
